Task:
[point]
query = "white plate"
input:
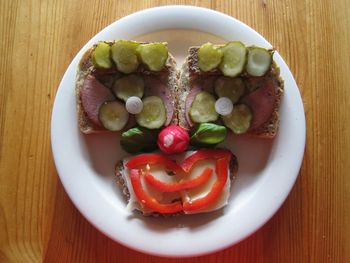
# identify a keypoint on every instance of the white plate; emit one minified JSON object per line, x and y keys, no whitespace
{"x":268,"y":169}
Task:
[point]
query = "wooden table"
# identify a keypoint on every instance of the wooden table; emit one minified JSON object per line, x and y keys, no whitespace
{"x":38,"y":221}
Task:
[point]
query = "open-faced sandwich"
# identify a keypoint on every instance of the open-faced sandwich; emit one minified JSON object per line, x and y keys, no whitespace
{"x":170,"y":120}
{"x":234,"y":85}
{"x":114,"y":80}
{"x":191,"y":182}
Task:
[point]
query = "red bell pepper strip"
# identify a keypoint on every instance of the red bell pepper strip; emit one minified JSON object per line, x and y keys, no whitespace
{"x":153,"y":158}
{"x":178,"y":186}
{"x":149,"y":201}
{"x":204,"y":154}
{"x":216,"y":190}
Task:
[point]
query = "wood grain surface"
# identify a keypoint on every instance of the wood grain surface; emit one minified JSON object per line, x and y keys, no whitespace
{"x":38,"y":222}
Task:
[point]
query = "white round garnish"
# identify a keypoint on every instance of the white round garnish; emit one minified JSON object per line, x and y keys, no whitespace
{"x":134,"y":105}
{"x":223,"y":106}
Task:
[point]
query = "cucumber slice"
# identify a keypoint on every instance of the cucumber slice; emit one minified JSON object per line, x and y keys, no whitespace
{"x":203,"y":108}
{"x":239,"y":120}
{"x":124,"y":55}
{"x":234,"y":59}
{"x":232,"y":88}
{"x":209,"y":57}
{"x":129,"y":86}
{"x":259,"y":61}
{"x":153,"y":55}
{"x":113,"y":115}
{"x":101,"y":56}
{"x":153,"y":114}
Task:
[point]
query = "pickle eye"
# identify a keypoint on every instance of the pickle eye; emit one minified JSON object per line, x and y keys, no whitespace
{"x":239,"y":120}
{"x":203,"y":108}
{"x":113,"y":115}
{"x":128,"y":86}
{"x":153,"y":114}
{"x":232,"y":88}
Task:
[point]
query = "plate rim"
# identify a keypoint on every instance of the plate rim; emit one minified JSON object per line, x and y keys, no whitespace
{"x":73,"y":197}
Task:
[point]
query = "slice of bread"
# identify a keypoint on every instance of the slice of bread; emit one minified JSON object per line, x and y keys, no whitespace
{"x":120,"y":172}
{"x":190,"y":72}
{"x":168,"y":76}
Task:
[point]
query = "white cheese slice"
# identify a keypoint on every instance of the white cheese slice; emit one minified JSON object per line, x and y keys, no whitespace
{"x":199,"y":192}
{"x":160,"y":173}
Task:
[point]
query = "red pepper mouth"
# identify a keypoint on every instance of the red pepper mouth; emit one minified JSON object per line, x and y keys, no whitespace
{"x":136,"y":163}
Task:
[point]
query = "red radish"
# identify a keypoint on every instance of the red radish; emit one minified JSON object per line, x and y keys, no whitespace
{"x":173,"y":139}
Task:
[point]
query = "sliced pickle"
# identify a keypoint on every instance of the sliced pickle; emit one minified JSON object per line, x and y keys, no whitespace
{"x":209,"y":57}
{"x":129,"y":86}
{"x":234,"y":58}
{"x":239,"y":120}
{"x":153,"y":55}
{"x":259,"y":61}
{"x":203,"y":108}
{"x":124,"y":55}
{"x":232,"y":88}
{"x":153,"y":114}
{"x":101,"y":56}
{"x":113,"y":115}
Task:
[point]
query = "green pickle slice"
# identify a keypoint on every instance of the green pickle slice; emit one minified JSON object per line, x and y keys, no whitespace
{"x":113,"y":115}
{"x":153,"y":55}
{"x":259,"y":61}
{"x":128,"y":86}
{"x":203,"y":108}
{"x":239,"y":120}
{"x":101,"y":56}
{"x":232,"y":88}
{"x":234,"y":58}
{"x":153,"y":114}
{"x":124,"y":55}
{"x":209,"y":57}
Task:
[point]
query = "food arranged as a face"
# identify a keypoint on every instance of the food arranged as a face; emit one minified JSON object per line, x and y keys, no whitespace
{"x":135,"y":88}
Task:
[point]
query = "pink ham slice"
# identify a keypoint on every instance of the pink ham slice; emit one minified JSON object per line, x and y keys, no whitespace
{"x":262,"y":102}
{"x":154,"y":87}
{"x":93,"y":94}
